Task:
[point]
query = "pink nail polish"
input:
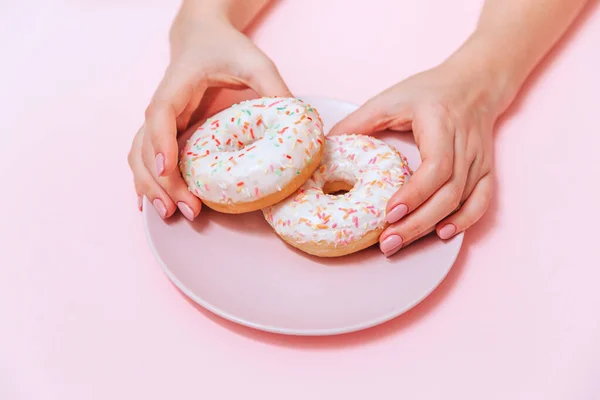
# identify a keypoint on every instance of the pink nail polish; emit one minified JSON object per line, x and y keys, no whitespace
{"x":447,"y":231}
{"x":186,"y":210}
{"x":390,"y":244}
{"x":160,"y":207}
{"x":396,"y":213}
{"x":160,"y":164}
{"x":140,"y":203}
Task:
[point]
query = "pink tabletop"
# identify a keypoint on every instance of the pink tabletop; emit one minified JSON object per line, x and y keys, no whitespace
{"x":86,"y":312}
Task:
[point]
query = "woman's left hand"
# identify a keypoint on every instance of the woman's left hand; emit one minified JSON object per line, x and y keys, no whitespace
{"x":451,"y":110}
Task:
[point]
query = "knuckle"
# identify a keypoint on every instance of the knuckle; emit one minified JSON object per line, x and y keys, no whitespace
{"x":445,"y":165}
{"x":454,"y":203}
{"x":490,"y":192}
{"x":487,"y":197}
{"x":454,"y":196}
{"x":485,"y":207}
{"x":442,"y":167}
{"x":156,"y":107}
{"x":264,"y":64}
{"x":143,"y":186}
{"x":259,"y":67}
{"x":167,"y":185}
{"x":139,"y":188}
{"x":486,"y":165}
{"x":419,"y":196}
{"x":151,"y":110}
{"x":174,"y":186}
{"x":443,"y":111}
{"x":469,"y":219}
{"x":412,"y":229}
{"x":131,"y":159}
{"x":474,"y":150}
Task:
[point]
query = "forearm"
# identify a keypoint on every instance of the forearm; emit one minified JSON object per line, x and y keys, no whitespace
{"x":513,"y":36}
{"x":240,"y":13}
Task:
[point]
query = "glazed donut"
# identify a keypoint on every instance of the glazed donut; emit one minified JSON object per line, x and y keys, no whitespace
{"x":321,"y":222}
{"x":253,"y":154}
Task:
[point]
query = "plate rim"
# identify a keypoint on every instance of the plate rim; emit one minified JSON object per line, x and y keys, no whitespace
{"x":286,"y":331}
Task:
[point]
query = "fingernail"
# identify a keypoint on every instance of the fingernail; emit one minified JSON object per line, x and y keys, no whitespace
{"x":396,"y":213}
{"x":391,"y":244}
{"x":447,"y":231}
{"x":160,"y":164}
{"x":186,"y":210}
{"x":140,"y":203}
{"x":160,"y":207}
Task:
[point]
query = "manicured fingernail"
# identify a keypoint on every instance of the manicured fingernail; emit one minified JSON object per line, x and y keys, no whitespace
{"x":160,"y":207}
{"x":392,"y":252}
{"x":160,"y":164}
{"x":447,"y":231}
{"x":391,"y":244}
{"x":140,"y":203}
{"x":186,"y":210}
{"x":396,"y":213}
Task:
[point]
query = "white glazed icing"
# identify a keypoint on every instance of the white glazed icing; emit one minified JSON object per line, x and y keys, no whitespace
{"x":309,"y":215}
{"x":251,"y":150}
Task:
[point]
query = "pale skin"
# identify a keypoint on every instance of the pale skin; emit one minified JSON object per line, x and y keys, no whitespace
{"x":451,"y":109}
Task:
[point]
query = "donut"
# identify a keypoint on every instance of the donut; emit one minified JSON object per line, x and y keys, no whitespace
{"x":253,"y":154}
{"x":320,"y":219}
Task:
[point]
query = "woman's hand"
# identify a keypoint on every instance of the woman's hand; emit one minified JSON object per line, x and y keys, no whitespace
{"x":451,"y":110}
{"x":206,"y":51}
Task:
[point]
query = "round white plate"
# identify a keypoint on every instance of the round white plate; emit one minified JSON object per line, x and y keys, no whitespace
{"x":236,"y":267}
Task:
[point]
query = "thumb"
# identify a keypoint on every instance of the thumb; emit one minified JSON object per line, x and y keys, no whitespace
{"x":170,"y":100}
{"x":266,"y":81}
{"x":375,"y":115}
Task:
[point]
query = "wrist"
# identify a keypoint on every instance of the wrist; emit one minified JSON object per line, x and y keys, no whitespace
{"x":202,"y":12}
{"x":237,"y":13}
{"x":194,"y":19}
{"x":494,"y":73}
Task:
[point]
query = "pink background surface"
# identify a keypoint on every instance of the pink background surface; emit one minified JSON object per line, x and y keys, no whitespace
{"x":86,"y":313}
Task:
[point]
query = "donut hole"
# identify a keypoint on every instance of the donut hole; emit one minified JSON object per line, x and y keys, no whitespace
{"x":237,"y":138}
{"x":337,"y":188}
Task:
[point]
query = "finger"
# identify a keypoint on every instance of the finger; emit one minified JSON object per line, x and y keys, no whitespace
{"x":427,"y":232}
{"x":394,"y":249}
{"x":479,"y":162}
{"x":183,"y":121}
{"x":473,"y":178}
{"x":372,"y":116}
{"x":266,"y":80}
{"x":174,"y":186}
{"x":188,"y":204}
{"x":145,"y":184}
{"x":470,"y":212}
{"x":133,"y":152}
{"x":445,"y":201}
{"x":416,"y":224}
{"x":437,"y":148}
{"x":171,"y":98}
{"x":207,"y":104}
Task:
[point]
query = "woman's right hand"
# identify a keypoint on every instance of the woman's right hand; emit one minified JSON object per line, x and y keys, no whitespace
{"x":205,"y":52}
